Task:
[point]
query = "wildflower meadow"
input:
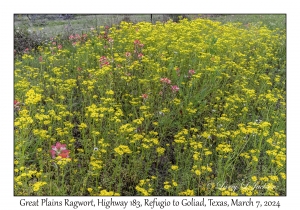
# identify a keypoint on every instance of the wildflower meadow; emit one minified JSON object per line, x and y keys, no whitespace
{"x":194,"y":107}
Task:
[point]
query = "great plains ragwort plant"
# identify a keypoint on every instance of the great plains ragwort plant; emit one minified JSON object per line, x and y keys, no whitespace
{"x":193,"y":107}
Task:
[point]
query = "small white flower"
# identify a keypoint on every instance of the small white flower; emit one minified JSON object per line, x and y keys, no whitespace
{"x":258,"y":121}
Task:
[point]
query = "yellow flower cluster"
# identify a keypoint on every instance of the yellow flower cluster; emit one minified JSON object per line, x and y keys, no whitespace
{"x":108,"y":193}
{"x":145,"y":186}
{"x":43,"y":134}
{"x":188,"y":192}
{"x":122,"y":149}
{"x":62,"y":161}
{"x":199,"y":170}
{"x":169,"y":185}
{"x":24,"y":119}
{"x":36,"y":186}
{"x":160,"y":151}
{"x":224,"y":149}
{"x":180,"y":137}
{"x":96,"y":164}
{"x":228,"y":191}
{"x":32,"y":97}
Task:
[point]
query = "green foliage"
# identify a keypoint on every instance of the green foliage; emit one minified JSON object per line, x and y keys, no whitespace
{"x":26,"y":40}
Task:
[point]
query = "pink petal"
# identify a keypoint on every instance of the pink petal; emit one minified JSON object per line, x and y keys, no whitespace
{"x":58,"y":145}
{"x":53,"y":153}
{"x":54,"y":148}
{"x":64,"y":153}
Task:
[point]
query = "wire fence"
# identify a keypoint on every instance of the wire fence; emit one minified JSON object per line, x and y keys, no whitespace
{"x":34,"y":29}
{"x":58,"y":24}
{"x":38,"y":20}
{"x":110,"y":18}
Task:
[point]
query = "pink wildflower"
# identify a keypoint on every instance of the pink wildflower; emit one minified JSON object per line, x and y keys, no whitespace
{"x":140,"y":55}
{"x":59,"y":46}
{"x":127,"y":54}
{"x":144,"y":96}
{"x":175,"y":88}
{"x":16,"y":105}
{"x":103,"y":61}
{"x":59,"y":150}
{"x":165,"y":80}
{"x":77,"y":36}
{"x":136,"y":42}
{"x":110,"y":40}
{"x":192,"y":71}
